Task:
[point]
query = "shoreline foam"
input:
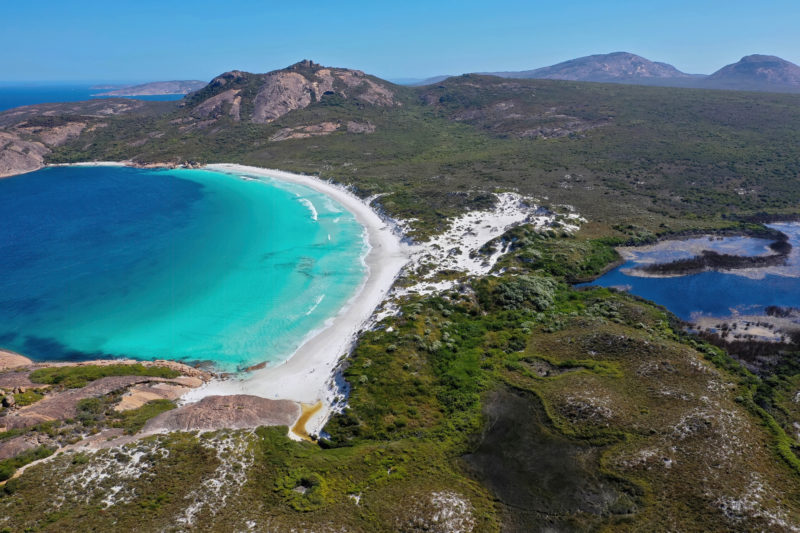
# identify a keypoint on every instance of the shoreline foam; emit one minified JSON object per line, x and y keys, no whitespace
{"x":307,"y":376}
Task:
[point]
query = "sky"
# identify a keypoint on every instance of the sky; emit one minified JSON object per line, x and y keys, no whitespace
{"x":148,"y":40}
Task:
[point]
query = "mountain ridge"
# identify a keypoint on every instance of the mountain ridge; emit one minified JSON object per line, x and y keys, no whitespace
{"x":755,"y":72}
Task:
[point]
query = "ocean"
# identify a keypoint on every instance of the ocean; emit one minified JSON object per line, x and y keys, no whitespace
{"x":188,"y":265}
{"x":19,"y":95}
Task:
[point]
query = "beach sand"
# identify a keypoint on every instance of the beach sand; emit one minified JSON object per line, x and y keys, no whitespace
{"x":308,"y":375}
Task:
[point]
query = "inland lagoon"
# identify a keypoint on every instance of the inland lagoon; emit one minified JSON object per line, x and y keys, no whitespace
{"x":741,"y":291}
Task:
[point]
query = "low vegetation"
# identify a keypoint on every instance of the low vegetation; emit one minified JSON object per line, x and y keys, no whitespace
{"x":8,"y":467}
{"x":73,"y":377}
{"x":514,"y":402}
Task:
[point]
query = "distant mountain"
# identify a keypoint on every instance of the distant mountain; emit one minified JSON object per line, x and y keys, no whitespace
{"x":756,"y":73}
{"x":420,"y":82}
{"x":617,"y":67}
{"x":751,"y":73}
{"x":157,"y":87}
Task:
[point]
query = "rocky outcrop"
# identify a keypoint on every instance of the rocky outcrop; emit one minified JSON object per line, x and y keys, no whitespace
{"x":215,"y":106}
{"x":302,"y":132}
{"x":282,"y":92}
{"x":306,"y":82}
{"x":14,"y":446}
{"x":18,"y":380}
{"x":99,"y":108}
{"x":10,"y":360}
{"x":53,"y":135}
{"x":27,"y":133}
{"x":360,"y":127}
{"x":323,"y":128}
{"x":219,"y":412}
{"x":138,"y":395}
{"x":370,"y":92}
{"x":18,"y":156}
{"x":63,"y":405}
{"x":227,"y":78}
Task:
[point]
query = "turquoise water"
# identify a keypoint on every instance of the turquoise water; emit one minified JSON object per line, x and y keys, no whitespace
{"x":15,"y":95}
{"x":178,"y":264}
{"x":717,"y":294}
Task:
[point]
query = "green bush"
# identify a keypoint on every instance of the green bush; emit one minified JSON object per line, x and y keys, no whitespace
{"x":303,"y":490}
{"x":9,"y":466}
{"x":525,"y":292}
{"x":133,"y":420}
{"x":74,"y":377}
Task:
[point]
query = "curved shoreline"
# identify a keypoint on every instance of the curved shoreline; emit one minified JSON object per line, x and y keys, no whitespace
{"x":307,"y":376}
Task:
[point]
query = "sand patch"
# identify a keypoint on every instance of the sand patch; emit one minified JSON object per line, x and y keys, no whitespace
{"x":307,"y":411}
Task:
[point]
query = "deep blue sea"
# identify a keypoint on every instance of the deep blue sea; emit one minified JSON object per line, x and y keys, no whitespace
{"x":19,"y":95}
{"x":179,"y":264}
{"x":717,"y":294}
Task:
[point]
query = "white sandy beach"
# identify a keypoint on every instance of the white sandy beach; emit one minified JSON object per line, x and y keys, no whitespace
{"x":307,"y":375}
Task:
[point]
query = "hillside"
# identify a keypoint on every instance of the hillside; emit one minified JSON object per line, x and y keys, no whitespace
{"x":617,"y":67}
{"x":656,"y":154}
{"x":511,"y":402}
{"x":751,"y":73}
{"x":157,"y":87}
{"x":757,"y":73}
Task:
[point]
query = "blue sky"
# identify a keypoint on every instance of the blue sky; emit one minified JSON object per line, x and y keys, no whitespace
{"x":74,"y":40}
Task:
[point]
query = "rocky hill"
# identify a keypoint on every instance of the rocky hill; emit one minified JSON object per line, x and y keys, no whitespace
{"x":28,"y":134}
{"x":757,"y":73}
{"x":512,"y":402}
{"x":617,"y":67}
{"x":267,"y":97}
{"x":751,"y":73}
